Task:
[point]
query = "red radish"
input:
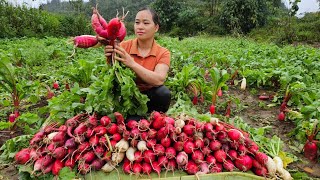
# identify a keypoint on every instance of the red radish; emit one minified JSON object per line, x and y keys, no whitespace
{"x":113,"y":28}
{"x":310,"y":150}
{"x":212,"y":109}
{"x":169,"y":120}
{"x":243,"y":163}
{"x":84,"y":146}
{"x":152,"y":133}
{"x":171,"y":153}
{"x":46,"y":160}
{"x":172,"y":165}
{"x":105,"y":120}
{"x":178,"y":146}
{"x":59,"y":153}
{"x":122,"y":32}
{"x":264,"y":97}
{"x":159,"y":150}
{"x":197,"y":156}
{"x":138,"y":156}
{"x":100,"y":130}
{"x":12,"y":117}
{"x":158,"y":122}
{"x":88,"y":157}
{"x":232,"y":154}
{"x":228,"y":165}
{"x":131,"y":124}
{"x":50,"y":94}
{"x":163,"y":161}
{"x":89,"y":133}
{"x":195,"y":100}
{"x":188,"y":147}
{"x":60,"y":136}
{"x":70,"y":163}
{"x":112,"y":129}
{"x":56,"y":85}
{"x":22,"y":156}
{"x":149,"y":156}
{"x":94,"y":141}
{"x":37,"y":137}
{"x":156,"y":167}
{"x":215,"y":145}
{"x":220,"y":156}
{"x":256,"y":164}
{"x":71,"y":123}
{"x":199,"y":144}
{"x":281,"y":116}
{"x":260,"y":171}
{"x":97,"y":164}
{"x":80,"y":130}
{"x":192,"y":167}
{"x":166,"y":142}
{"x":144,"y":135}
{"x":134,"y":133}
{"x":211,"y":160}
{"x":188,"y":129}
{"x":134,"y":142}
{"x":206,"y":150}
{"x":85,"y":41}
{"x":37,"y":165}
{"x":99,"y":151}
{"x":35,"y":154}
{"x":182,"y":158}
{"x":143,"y":125}
{"x":119,"y":117}
{"x":127,"y":167}
{"x":217,"y":168}
{"x":204,"y":168}
{"x":151,"y":143}
{"x":99,"y":24}
{"x":146,"y":168}
{"x":46,"y":169}
{"x":261,"y":157}
{"x":57,"y":166}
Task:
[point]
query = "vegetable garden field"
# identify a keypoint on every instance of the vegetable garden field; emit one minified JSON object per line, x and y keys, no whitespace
{"x":269,"y":94}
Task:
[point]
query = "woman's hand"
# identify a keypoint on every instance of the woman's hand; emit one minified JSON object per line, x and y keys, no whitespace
{"x":121,"y":55}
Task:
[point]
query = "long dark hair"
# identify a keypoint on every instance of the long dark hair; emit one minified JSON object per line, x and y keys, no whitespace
{"x":155,"y":16}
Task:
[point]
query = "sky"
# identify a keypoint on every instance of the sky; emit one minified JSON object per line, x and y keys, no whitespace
{"x":304,"y":5}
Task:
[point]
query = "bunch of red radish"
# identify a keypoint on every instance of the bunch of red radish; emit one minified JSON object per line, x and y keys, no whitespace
{"x":111,"y":31}
{"x":161,"y":143}
{"x":84,"y":141}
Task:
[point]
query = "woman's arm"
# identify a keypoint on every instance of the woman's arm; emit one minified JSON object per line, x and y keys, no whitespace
{"x":155,"y":78}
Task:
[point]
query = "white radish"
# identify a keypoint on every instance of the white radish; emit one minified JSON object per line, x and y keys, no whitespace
{"x":271,"y":166}
{"x":179,"y":123}
{"x":214,"y":121}
{"x":122,"y":145}
{"x":142,"y":146}
{"x":108,"y":167}
{"x":279,"y":166}
{"x":243,"y":84}
{"x":117,"y":157}
{"x":130,"y":153}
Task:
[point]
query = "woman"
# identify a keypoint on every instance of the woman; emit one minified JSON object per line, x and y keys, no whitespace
{"x":147,"y":59}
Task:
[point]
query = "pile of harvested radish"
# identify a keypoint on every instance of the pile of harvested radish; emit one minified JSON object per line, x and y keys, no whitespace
{"x":161,"y":143}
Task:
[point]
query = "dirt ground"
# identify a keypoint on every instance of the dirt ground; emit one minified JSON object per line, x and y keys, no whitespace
{"x":255,"y":114}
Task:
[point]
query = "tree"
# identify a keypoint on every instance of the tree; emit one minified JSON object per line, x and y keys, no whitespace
{"x":241,"y":16}
{"x":168,"y":11}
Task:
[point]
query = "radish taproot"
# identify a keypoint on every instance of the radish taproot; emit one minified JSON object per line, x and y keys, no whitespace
{"x":22,"y":156}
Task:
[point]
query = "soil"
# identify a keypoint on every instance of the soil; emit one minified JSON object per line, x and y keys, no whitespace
{"x":256,"y":114}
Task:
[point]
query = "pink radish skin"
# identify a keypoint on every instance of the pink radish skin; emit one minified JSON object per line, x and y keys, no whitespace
{"x":178,"y":146}
{"x":132,"y":124}
{"x":138,"y":156}
{"x":70,"y":163}
{"x":119,"y":118}
{"x":152,"y":133}
{"x":197,"y":156}
{"x":192,"y":167}
{"x":166,"y":142}
{"x":113,"y":128}
{"x":228,"y":165}
{"x":97,"y":164}
{"x":100,"y":130}
{"x":199,"y":144}
{"x":204,"y":168}
{"x":188,"y":129}
{"x":37,"y":165}
{"x":260,"y":171}
{"x":126,"y":167}
{"x":261,"y":157}
{"x":146,"y":168}
{"x":232,"y":154}
{"x":235,"y":135}
{"x":151,"y":143}
{"x":215,"y":145}
{"x":156,"y":167}
{"x":70,"y":143}
{"x":57,"y":166}
{"x":159,"y":150}
{"x":23,"y":156}
{"x":149,"y":156}
{"x":105,"y":120}
{"x":206,"y":150}
{"x":88,"y":157}
{"x":143,"y":125}
{"x":182,"y":159}
{"x":217,"y":168}
{"x":94,"y":141}
{"x":211,"y":160}
{"x":188,"y":147}
{"x":220,"y":156}
{"x":158,"y":123}
{"x":243,"y":163}
{"x":80,"y":130}
{"x":59,"y":153}
{"x":170,"y":153}
{"x":117,"y":137}
{"x":163,"y":161}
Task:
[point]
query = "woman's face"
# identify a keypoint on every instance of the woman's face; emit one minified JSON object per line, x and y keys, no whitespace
{"x":144,"y":26}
